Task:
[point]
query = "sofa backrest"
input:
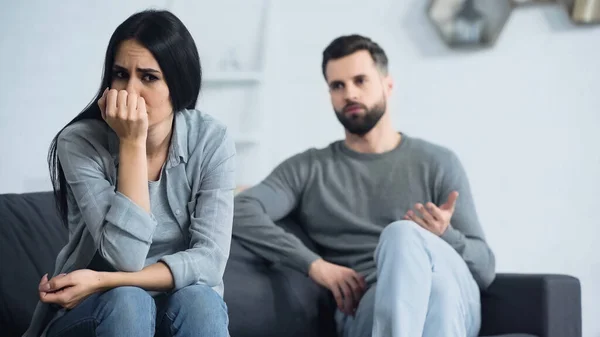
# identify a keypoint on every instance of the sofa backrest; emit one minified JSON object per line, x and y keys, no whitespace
{"x":31,"y":235}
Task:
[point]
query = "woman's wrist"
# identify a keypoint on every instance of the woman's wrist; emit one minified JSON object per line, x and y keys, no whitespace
{"x":107,"y":280}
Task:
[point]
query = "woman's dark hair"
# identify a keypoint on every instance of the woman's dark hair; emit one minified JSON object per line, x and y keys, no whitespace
{"x":173,"y":47}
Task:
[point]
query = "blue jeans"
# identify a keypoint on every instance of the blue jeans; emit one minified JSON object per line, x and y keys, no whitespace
{"x":424,"y":289}
{"x":195,"y":310}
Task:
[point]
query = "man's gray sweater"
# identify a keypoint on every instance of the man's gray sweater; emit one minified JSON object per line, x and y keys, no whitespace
{"x":344,"y":199}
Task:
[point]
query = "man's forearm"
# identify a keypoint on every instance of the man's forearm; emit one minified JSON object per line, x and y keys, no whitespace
{"x":155,"y":277}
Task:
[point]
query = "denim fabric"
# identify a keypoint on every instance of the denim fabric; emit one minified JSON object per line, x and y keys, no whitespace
{"x":195,"y":310}
{"x":424,"y":288}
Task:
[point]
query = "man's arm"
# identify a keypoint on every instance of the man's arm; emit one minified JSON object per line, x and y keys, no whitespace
{"x":257,"y":209}
{"x":464,"y":233}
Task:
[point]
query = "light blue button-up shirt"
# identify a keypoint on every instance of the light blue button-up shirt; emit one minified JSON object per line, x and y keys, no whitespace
{"x":200,"y":178}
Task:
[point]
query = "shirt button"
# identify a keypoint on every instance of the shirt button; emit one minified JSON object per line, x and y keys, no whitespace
{"x":177,"y":212}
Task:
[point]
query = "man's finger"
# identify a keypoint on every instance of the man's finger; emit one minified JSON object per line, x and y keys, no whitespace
{"x":339,"y":299}
{"x":427,"y":217}
{"x":435,"y":212}
{"x":451,"y":202}
{"x":348,"y":296}
{"x":417,"y":219}
{"x":355,"y":287}
{"x":361,"y":281}
{"x":357,"y":291}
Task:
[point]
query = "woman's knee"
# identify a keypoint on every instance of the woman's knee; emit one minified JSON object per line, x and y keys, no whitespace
{"x":200,"y":306}
{"x":128,"y":302}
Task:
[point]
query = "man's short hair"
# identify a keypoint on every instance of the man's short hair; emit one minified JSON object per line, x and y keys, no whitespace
{"x":349,"y":44}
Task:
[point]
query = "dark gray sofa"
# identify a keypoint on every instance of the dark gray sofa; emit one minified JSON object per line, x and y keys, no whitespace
{"x":266,"y":300}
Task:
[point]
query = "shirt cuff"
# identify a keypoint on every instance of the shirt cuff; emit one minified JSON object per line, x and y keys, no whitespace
{"x":303,"y":258}
{"x":452,"y":236}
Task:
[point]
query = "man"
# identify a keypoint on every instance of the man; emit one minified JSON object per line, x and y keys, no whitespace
{"x":402,"y":249}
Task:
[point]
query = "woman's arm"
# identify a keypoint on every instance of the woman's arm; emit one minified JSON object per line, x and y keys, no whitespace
{"x":155,"y":277}
{"x":133,"y":173}
{"x":68,"y":290}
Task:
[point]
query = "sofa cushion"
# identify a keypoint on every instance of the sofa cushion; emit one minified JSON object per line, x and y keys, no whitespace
{"x":32,"y":234}
{"x":273,"y":300}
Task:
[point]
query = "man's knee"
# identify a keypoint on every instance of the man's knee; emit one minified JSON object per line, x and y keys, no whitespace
{"x":401,"y":229}
{"x":128,"y":303}
{"x":403,"y":233}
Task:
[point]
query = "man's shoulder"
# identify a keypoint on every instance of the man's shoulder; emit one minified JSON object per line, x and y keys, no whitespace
{"x":312,"y":155}
{"x":428,"y":150}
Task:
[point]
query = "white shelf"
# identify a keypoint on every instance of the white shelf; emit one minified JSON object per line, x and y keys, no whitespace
{"x":233,"y":77}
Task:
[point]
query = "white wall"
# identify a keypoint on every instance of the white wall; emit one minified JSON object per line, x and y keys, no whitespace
{"x":522,"y":116}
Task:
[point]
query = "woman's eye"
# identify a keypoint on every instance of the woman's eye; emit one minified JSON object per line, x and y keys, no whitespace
{"x":149,"y":78}
{"x":119,"y":74}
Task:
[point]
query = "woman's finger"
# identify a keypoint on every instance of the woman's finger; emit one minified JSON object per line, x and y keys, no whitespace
{"x":59,"y":282}
{"x":102,"y":104}
{"x":122,"y":105}
{"x":132,"y":102}
{"x":111,"y":103}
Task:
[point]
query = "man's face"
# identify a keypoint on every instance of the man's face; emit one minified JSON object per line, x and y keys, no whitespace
{"x":358,"y":91}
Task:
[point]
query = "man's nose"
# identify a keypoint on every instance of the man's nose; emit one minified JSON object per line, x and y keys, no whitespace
{"x":351,"y":93}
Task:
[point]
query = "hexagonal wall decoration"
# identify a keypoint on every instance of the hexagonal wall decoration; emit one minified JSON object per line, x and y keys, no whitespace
{"x":469,"y":24}
{"x":583,"y":12}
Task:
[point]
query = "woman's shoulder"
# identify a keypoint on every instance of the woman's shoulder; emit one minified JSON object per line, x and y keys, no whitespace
{"x":203,"y":131}
{"x":86,"y":128}
{"x":85,"y":133}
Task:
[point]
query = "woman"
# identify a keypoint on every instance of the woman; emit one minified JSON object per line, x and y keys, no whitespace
{"x":145,"y":184}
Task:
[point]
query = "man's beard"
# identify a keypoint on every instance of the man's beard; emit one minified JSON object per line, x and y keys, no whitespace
{"x":361,"y":124}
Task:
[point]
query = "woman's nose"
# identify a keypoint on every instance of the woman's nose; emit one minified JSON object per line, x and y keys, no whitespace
{"x":132,"y":86}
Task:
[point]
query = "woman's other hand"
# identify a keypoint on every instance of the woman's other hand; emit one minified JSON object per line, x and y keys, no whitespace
{"x":68,"y":290}
{"x":126,"y":114}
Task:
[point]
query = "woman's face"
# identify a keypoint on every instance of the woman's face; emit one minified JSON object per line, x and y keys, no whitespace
{"x":136,"y":71}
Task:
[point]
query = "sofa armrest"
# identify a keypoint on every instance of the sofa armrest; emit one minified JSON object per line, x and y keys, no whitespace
{"x":541,"y":305}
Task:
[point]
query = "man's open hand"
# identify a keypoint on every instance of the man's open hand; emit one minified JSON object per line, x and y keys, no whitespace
{"x":434,"y":219}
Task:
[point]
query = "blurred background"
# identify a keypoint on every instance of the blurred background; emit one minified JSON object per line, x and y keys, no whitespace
{"x":522,"y":113}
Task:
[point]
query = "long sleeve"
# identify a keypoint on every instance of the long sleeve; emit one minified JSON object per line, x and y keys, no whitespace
{"x":211,"y":217}
{"x":465,"y":234}
{"x":121,"y":230}
{"x":257,"y":209}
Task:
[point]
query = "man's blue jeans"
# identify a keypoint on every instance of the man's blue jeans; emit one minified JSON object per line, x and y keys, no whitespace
{"x":195,"y":310}
{"x":424,"y":289}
